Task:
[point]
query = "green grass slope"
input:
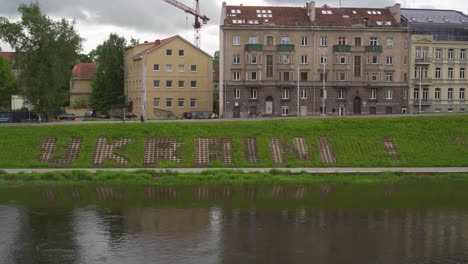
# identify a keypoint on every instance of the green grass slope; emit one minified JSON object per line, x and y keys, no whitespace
{"x":433,"y":141}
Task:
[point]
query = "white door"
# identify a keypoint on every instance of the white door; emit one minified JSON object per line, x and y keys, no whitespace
{"x":303,"y":110}
{"x":341,"y":111}
{"x":268,"y":107}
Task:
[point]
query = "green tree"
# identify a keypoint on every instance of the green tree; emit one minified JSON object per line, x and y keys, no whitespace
{"x":108,"y":84}
{"x":85,"y":58}
{"x":7,"y":84}
{"x":46,"y":51}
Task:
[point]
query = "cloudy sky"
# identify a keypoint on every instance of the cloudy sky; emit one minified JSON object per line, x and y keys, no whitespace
{"x":155,"y":19}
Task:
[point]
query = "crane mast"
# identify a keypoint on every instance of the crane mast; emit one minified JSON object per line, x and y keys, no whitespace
{"x":195,"y":12}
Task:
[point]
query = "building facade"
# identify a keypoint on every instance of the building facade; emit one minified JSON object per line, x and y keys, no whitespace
{"x":438,"y":60}
{"x":169,"y":77}
{"x":81,"y":84}
{"x":299,"y":61}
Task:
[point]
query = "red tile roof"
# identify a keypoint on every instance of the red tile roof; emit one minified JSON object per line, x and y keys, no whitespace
{"x":84,"y":71}
{"x":354,"y":16}
{"x":7,"y":55}
{"x":155,"y":45}
{"x":270,"y":15}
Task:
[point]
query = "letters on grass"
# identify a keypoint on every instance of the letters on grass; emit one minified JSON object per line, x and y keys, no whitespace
{"x":206,"y":151}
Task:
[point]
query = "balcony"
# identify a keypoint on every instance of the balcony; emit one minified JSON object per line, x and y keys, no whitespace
{"x":341,"y":48}
{"x":374,"y":48}
{"x":253,"y":47}
{"x":285,"y":47}
{"x":423,"y":60}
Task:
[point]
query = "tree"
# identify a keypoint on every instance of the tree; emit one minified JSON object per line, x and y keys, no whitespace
{"x":85,"y":58}
{"x":108,"y":83}
{"x":46,"y":51}
{"x":7,"y":84}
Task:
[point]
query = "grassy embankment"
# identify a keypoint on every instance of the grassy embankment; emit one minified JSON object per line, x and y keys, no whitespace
{"x":421,"y":141}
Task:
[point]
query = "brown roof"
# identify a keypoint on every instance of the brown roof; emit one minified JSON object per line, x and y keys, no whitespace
{"x":266,"y":15}
{"x":352,"y":16}
{"x":7,"y":55}
{"x":156,"y":44}
{"x":84,"y":71}
{"x":297,"y":16}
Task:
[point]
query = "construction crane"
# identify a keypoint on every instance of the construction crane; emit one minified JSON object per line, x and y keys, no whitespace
{"x":196,"y":13}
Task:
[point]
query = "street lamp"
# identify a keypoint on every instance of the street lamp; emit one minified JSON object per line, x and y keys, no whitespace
{"x":324,"y":91}
{"x":143,"y":103}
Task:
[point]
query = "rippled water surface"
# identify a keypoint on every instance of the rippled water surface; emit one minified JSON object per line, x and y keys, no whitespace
{"x":221,"y":232}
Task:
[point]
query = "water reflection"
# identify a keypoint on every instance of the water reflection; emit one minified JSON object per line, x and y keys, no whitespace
{"x":194,"y":232}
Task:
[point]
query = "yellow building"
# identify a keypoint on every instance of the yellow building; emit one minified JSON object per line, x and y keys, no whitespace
{"x":168,"y":77}
{"x":80,"y":86}
{"x":438,"y":60}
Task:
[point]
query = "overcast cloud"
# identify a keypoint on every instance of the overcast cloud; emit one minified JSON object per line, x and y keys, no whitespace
{"x":155,"y":19}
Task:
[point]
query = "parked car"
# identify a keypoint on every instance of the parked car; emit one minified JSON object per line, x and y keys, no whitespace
{"x":103,"y":115}
{"x":66,"y":116}
{"x":89,"y":113}
{"x":127,"y":115}
{"x":200,"y":115}
{"x":187,"y":115}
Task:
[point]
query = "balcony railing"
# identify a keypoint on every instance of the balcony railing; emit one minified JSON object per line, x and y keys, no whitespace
{"x":253,"y":47}
{"x":374,"y":48}
{"x":285,"y":47}
{"x":425,"y":59}
{"x":342,"y":48}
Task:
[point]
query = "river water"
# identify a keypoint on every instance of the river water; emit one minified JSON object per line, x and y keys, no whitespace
{"x":225,"y":225}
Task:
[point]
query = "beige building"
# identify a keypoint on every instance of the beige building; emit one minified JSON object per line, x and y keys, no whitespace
{"x":291,"y":61}
{"x":167,"y":78}
{"x":438,"y":60}
{"x":80,"y":84}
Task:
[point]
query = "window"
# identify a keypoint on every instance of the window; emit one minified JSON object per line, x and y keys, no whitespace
{"x":373,"y":41}
{"x":438,"y":54}
{"x":253,"y":40}
{"x":168,"y":52}
{"x":156,"y":103}
{"x":374,"y":59}
{"x":181,"y":103}
{"x":322,"y":76}
{"x":269,"y":68}
{"x":450,"y":73}
{"x":253,"y":93}
{"x":304,"y":94}
{"x":252,"y":59}
{"x":304,"y":41}
{"x":416,"y":94}
{"x":341,"y":76}
{"x":323,"y":60}
{"x":269,"y":41}
{"x":341,"y":93}
{"x":285,"y":40}
{"x":425,"y":94}
{"x":374,"y":76}
{"x":285,"y":93}
{"x":237,"y":93}
{"x":156,"y":83}
{"x":462,"y":54}
{"x":437,"y":73}
{"x":341,"y":41}
{"x":168,"y":84}
{"x":169,"y":67}
{"x":405,"y":94}
{"x":285,"y":76}
{"x":450,"y":94}
{"x":405,"y":60}
{"x":418,"y":53}
{"x":357,"y":41}
{"x":342,"y":60}
{"x":193,"y":84}
{"x":461,"y":95}
{"x":450,"y":54}
{"x":193,"y":103}
{"x":462,"y":73}
{"x":181,"y":68}
{"x":156,"y":67}
{"x":304,"y":59}
{"x":389,"y":94}
{"x":323,"y":41}
{"x":181,"y":84}
{"x":285,"y":110}
{"x":389,"y":60}
{"x":236,"y":59}
{"x":193,"y":68}
{"x":357,"y":66}
{"x":304,"y":76}
{"x":373,"y":93}
{"x":389,"y":43}
{"x":406,"y":43}
{"x":284,"y":59}
{"x":169,"y":102}
{"x":181,"y":53}
{"x":388,"y":77}
{"x":437,"y":94}
{"x":236,"y":40}
{"x":236,"y":76}
{"x":323,"y":93}
{"x":252,"y":76}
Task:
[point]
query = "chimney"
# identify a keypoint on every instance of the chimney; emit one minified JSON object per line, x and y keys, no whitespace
{"x":146,"y":42}
{"x":157,"y":42}
{"x":395,"y":10}
{"x":311,"y":11}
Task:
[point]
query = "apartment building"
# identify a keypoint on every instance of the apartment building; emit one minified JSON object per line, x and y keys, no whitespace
{"x":438,"y":60}
{"x":81,"y":83}
{"x":298,"y":61}
{"x":168,"y":77}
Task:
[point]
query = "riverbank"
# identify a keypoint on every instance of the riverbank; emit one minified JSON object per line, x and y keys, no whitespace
{"x":432,"y":141}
